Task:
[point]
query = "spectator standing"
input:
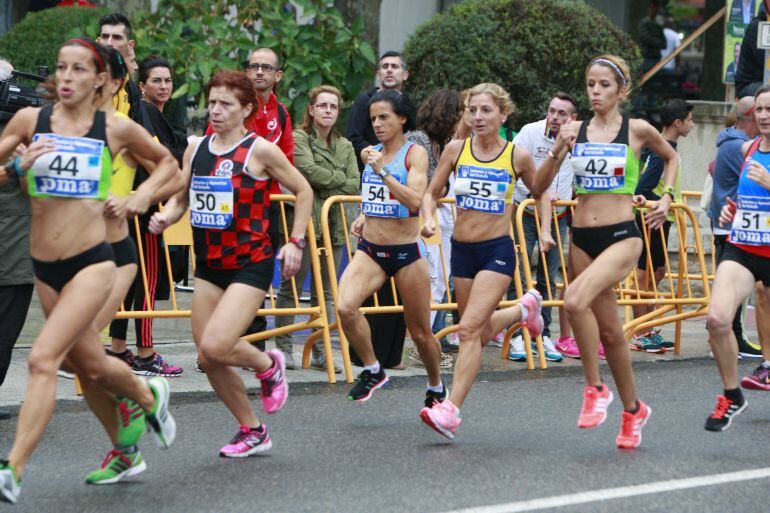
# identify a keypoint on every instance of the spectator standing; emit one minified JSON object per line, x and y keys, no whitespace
{"x":538,"y":139}
{"x":676,"y":116}
{"x":672,"y":43}
{"x":16,"y":283}
{"x":750,"y":74}
{"x":328,"y":163}
{"x":650,"y":36}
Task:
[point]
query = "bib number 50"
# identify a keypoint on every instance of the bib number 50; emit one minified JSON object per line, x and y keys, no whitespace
{"x":205,"y":202}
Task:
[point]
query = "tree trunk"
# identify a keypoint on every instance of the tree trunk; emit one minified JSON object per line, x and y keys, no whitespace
{"x":712,"y":86}
{"x":370,"y":10}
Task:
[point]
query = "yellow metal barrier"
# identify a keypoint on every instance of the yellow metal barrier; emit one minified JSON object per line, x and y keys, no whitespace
{"x":677,"y":294}
{"x":181,"y":234}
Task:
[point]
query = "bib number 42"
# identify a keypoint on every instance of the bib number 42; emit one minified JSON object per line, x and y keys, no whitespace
{"x":597,"y":167}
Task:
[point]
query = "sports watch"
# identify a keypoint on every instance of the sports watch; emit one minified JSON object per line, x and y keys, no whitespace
{"x":300,"y":243}
{"x":670,"y":191}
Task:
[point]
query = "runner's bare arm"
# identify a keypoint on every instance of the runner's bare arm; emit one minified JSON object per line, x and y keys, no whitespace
{"x":437,"y":184}
{"x":416,"y":182}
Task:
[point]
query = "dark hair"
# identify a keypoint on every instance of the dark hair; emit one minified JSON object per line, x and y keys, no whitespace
{"x":239,"y":84}
{"x":762,"y":90}
{"x":392,"y":53}
{"x":674,"y":109}
{"x":116,"y":18}
{"x":117,"y":65}
{"x":148,"y":63}
{"x":439,"y":114}
{"x":265,"y":49}
{"x":561,"y":95}
{"x":401,"y":104}
{"x":99,"y":54}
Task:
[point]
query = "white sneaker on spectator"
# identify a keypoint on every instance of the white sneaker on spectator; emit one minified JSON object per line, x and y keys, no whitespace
{"x":453,"y":339}
{"x":551,"y":353}
{"x":497,"y":341}
{"x":516,"y":352}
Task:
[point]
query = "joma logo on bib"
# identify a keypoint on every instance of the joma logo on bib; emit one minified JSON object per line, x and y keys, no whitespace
{"x":601,"y":183}
{"x":65,"y":186}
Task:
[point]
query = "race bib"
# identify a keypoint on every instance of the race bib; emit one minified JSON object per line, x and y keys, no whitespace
{"x":376,"y":199}
{"x":73,"y":170}
{"x":211,"y":202}
{"x":599,"y":167}
{"x":483,"y":189}
{"x":751,"y":224}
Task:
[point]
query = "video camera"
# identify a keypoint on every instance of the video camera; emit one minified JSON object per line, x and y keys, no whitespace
{"x":14,"y":95}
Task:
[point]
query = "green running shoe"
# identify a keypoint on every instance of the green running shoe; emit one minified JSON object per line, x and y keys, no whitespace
{"x":160,"y":420}
{"x":116,"y":467}
{"x":10,"y":484}
{"x":132,"y":422}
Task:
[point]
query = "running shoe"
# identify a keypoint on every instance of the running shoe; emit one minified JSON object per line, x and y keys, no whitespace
{"x":657,"y":338}
{"x":630,"y":435}
{"x":159,"y":420}
{"x":645,"y":344}
{"x":127,"y":356}
{"x":516,"y":352}
{"x":532,"y":301}
{"x":132,"y":423}
{"x":246,"y":442}
{"x":724,"y":412}
{"x":602,"y":354}
{"x":366,"y":383}
{"x":116,"y":467}
{"x":198,"y":367}
{"x":551,"y":354}
{"x":758,"y":380}
{"x":594,"y":409}
{"x":275,"y":388}
{"x":453,"y":339}
{"x":443,"y":417}
{"x":446,"y":361}
{"x":10,"y":484}
{"x":155,"y":365}
{"x":497,"y":340}
{"x":748,"y":350}
{"x":432,"y":397}
{"x":567,"y":346}
{"x":288,"y":360}
{"x":65,"y":374}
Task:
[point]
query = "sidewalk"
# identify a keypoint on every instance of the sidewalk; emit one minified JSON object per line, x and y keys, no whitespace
{"x":174,"y":342}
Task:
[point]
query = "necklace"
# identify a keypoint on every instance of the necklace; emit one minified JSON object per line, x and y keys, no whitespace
{"x":605,"y":127}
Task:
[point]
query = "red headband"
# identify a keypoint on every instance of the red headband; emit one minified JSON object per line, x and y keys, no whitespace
{"x":93,"y":49}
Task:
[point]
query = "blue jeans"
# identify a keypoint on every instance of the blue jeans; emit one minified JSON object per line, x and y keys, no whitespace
{"x":553,"y":263}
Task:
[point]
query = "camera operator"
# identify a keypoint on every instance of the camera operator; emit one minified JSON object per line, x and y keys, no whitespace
{"x":15,"y":264}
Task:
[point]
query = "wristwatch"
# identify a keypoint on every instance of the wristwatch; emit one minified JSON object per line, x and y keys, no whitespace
{"x":670,"y":191}
{"x":384,"y":171}
{"x":300,"y":243}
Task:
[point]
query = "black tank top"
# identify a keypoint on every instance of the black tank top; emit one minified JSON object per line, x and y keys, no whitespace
{"x":621,"y":138}
{"x":97,"y":131}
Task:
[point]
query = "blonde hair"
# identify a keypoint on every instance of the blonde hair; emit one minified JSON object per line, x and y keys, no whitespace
{"x":498,"y":94}
{"x":307,"y":120}
{"x":617,"y":65}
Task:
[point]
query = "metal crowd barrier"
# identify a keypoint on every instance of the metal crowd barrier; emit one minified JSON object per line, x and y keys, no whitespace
{"x":682,"y":294}
{"x":180,"y":234}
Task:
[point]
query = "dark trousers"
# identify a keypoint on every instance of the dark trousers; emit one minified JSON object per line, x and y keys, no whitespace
{"x":720,"y":241}
{"x":154,"y":261}
{"x":14,"y":304}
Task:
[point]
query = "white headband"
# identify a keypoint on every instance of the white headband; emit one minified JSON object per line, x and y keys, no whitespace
{"x":614,"y":67}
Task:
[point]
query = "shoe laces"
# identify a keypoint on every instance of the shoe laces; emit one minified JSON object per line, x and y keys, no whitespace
{"x":242,"y":433}
{"x":111,"y":455}
{"x":723,"y":404}
{"x":269,"y":383}
{"x":589,"y":400}
{"x":125,"y":413}
{"x":762,"y":372}
{"x":627,"y":423}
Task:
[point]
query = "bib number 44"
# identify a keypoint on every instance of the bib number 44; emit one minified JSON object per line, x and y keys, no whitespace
{"x":71,"y":166}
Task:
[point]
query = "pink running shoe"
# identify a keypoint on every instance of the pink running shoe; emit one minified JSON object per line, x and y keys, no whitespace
{"x":532,"y":301}
{"x":247,"y":442}
{"x":443,"y":417}
{"x":602,"y":356}
{"x":568,"y":347}
{"x":630,"y":435}
{"x":275,"y":389}
{"x":594,"y":409}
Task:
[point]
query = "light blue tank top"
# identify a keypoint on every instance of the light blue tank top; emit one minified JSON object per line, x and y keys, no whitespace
{"x":376,"y":199}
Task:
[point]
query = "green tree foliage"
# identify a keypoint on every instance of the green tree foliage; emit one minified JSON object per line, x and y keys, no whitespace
{"x":532,"y":48}
{"x":200,"y":38}
{"x":35,"y":39}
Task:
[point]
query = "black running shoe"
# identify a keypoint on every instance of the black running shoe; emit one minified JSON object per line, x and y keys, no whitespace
{"x":748,"y":350}
{"x":724,"y":412}
{"x":434,"y":397}
{"x":366,"y":384}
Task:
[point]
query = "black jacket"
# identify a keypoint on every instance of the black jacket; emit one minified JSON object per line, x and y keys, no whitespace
{"x":751,"y":62}
{"x":359,"y":130}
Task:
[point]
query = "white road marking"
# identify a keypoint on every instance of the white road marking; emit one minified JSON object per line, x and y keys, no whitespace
{"x":561,"y":501}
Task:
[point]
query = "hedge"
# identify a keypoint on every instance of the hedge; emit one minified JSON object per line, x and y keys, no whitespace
{"x":532,"y":48}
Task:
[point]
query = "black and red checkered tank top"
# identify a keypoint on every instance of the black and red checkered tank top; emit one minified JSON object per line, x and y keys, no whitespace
{"x":228,"y":207}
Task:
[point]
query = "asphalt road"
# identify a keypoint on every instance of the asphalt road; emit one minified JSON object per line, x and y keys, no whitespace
{"x":518,"y":442}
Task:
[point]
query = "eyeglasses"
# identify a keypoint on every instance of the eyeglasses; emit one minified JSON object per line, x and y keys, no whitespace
{"x":255,"y":66}
{"x":326,"y":106}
